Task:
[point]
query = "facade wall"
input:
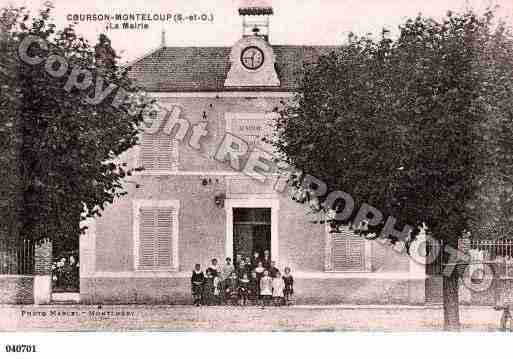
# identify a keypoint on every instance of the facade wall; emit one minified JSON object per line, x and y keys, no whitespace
{"x":195,"y":109}
{"x":110,"y":274}
{"x":202,"y":229}
{"x":201,"y":223}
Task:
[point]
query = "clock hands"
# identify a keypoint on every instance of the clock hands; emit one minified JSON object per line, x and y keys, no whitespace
{"x":252,"y":58}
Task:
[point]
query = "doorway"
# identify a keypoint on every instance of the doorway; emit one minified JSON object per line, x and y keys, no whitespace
{"x":251,"y":231}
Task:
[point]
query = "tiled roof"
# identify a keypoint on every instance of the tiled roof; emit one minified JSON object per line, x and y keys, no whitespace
{"x":182,"y":69}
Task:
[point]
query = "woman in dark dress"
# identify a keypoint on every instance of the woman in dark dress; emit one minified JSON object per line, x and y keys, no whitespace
{"x":288,"y":280}
{"x":197,"y":280}
{"x":208,"y":288}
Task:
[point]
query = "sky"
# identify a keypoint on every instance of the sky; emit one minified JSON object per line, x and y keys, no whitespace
{"x":295,"y":22}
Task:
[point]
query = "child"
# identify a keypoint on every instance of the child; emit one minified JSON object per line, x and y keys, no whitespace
{"x":239,"y":260}
{"x":228,"y":269}
{"x":288,"y":280}
{"x":218,"y":288}
{"x":248,"y":264}
{"x":197,"y":280}
{"x":244,"y":289}
{"x":266,"y":288}
{"x":259,"y":270}
{"x":255,"y":260}
{"x":214,"y":268}
{"x":273,"y":270}
{"x":278,"y":286}
{"x":208,"y":288}
{"x":254,"y":288}
{"x":232,"y":289}
{"x":266,"y":261}
{"x":243,"y":268}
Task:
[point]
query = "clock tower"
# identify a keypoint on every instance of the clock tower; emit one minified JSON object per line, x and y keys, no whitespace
{"x":252,"y":57}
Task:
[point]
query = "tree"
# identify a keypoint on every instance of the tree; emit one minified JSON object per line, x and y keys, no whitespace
{"x":419,"y":127}
{"x":62,"y":149}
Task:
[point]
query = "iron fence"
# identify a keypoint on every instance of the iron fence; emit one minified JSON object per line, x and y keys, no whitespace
{"x":498,"y":252}
{"x":16,"y":258}
{"x":436,"y":266}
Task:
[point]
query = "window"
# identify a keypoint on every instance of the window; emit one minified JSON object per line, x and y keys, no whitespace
{"x":347,"y":252}
{"x":159,"y":152}
{"x":156,"y":233}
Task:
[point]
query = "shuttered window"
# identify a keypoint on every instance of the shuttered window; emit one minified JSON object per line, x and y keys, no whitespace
{"x":159,"y":152}
{"x":347,"y":252}
{"x":156,"y":238}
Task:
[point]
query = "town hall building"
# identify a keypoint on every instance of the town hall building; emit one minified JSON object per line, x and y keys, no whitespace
{"x":190,"y":205}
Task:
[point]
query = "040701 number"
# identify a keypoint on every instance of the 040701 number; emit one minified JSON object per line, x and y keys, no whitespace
{"x":20,"y":348}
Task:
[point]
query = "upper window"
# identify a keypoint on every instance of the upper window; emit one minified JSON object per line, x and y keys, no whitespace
{"x":159,"y":152}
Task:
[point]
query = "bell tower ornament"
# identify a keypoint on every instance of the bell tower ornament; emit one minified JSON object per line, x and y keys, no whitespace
{"x":252,"y":59}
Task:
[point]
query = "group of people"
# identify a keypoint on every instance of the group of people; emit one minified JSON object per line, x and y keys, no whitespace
{"x":255,"y":281}
{"x":65,"y":273}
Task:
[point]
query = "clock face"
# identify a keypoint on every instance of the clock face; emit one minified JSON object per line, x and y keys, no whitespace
{"x":252,"y":58}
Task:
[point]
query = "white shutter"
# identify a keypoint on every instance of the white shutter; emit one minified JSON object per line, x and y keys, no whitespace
{"x":147,"y":239}
{"x":156,"y":238}
{"x":348,"y":252}
{"x":149,"y":151}
{"x":166,"y":153}
{"x":164,"y":238}
{"x":158,"y":152}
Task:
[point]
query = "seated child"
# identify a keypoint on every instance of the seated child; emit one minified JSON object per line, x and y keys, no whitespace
{"x":239,"y":259}
{"x":197,"y":280}
{"x":244,"y":289}
{"x":288,"y":280}
{"x":247,"y":264}
{"x":243,"y":268}
{"x":266,"y":288}
{"x":208,"y":288}
{"x":278,"y":286}
{"x":231,"y":289}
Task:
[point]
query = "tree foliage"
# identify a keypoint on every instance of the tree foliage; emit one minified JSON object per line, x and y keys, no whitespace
{"x":420,"y":127}
{"x":59,"y":152}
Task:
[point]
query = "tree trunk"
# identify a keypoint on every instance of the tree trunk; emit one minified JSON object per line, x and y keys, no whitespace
{"x":451,"y":302}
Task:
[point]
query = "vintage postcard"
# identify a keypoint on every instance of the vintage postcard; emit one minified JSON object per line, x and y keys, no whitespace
{"x":255,"y":166}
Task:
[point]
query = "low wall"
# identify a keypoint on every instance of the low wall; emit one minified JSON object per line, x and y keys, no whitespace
{"x":16,"y":289}
{"x":488,"y":297}
{"x":307,"y":290}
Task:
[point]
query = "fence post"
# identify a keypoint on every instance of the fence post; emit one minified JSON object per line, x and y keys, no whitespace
{"x":43,"y":272}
